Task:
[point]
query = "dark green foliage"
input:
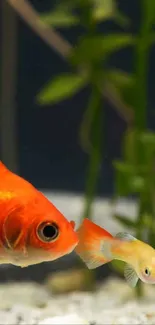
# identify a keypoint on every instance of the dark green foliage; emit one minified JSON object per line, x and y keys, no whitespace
{"x":135,"y":173}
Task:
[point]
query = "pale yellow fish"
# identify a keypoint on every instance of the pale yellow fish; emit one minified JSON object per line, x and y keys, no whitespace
{"x":97,"y":247}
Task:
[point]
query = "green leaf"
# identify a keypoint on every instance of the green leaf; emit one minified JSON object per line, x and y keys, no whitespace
{"x":125,"y":222}
{"x":139,"y":148}
{"x":135,"y":151}
{"x":120,"y":78}
{"x":137,"y":184}
{"x":124,"y":167}
{"x":98,"y":47}
{"x":59,"y":18}
{"x":103,"y":9}
{"x":61,"y":88}
{"x":147,"y":221}
{"x":129,"y":178}
{"x":148,"y":138}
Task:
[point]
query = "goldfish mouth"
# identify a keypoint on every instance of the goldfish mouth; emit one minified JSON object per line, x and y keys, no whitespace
{"x":72,"y":248}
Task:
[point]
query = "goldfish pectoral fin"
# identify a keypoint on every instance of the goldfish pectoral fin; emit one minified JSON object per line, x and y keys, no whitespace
{"x":125,"y":236}
{"x":130,"y":276}
{"x":13,"y":229}
{"x":91,"y":248}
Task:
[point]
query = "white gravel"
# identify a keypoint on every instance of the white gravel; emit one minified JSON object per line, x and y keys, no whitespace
{"x":112,"y":303}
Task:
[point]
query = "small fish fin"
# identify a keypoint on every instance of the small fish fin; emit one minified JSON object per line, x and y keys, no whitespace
{"x":93,"y":247}
{"x":92,"y":261}
{"x":13,"y":229}
{"x":125,"y":236}
{"x":130,"y":275}
{"x":106,"y":249}
{"x":72,"y":224}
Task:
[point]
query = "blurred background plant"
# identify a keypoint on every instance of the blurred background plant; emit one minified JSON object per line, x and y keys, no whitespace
{"x":88,"y":59}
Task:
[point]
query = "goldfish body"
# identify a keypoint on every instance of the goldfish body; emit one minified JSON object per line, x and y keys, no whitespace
{"x":32,"y":230}
{"x":97,"y":246}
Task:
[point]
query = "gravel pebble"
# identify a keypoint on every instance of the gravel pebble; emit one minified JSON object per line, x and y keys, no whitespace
{"x":112,"y":303}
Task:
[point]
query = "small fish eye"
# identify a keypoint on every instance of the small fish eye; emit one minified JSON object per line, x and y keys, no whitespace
{"x":147,"y":272}
{"x":48,"y":232}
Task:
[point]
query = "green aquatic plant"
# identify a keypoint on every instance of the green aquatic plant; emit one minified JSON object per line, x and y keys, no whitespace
{"x":135,"y":173}
{"x":88,"y":63}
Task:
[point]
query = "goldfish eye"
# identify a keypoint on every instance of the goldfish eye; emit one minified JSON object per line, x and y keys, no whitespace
{"x":48,"y":232}
{"x":147,"y":272}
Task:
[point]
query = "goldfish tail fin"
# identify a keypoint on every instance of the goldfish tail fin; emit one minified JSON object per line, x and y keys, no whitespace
{"x":94,"y":244}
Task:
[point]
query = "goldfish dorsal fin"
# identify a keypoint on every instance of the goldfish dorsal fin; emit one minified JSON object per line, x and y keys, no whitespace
{"x":130,"y":276}
{"x":3,"y":168}
{"x":72,"y":224}
{"x":125,"y":236}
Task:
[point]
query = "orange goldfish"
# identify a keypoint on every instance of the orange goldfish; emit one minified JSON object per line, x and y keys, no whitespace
{"x":97,"y":247}
{"x":32,"y":230}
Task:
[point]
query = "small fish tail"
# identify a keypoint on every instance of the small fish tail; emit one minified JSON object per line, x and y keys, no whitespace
{"x":94,"y":244}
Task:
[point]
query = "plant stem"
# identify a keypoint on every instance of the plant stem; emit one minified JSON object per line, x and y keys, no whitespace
{"x":141,"y":70}
{"x":94,"y":113}
{"x":95,"y":110}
